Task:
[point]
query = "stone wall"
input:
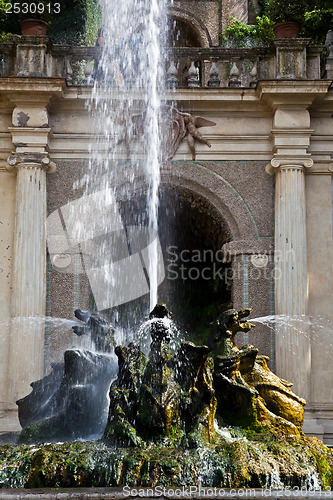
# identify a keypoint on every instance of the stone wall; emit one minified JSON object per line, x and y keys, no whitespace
{"x":204,"y":16}
{"x":209,"y":17}
{"x":234,"y":8}
{"x":245,"y":212}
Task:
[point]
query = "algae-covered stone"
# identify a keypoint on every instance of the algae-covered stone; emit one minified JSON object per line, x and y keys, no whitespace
{"x":260,"y":460}
{"x":161,"y":424}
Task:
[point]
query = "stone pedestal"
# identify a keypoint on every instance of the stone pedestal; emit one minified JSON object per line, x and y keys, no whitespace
{"x":31,"y":55}
{"x":291,"y":58}
{"x":26,"y":359}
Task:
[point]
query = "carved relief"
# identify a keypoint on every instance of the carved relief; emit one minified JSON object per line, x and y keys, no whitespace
{"x":181,"y":125}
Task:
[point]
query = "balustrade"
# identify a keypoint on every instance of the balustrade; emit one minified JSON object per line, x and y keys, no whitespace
{"x":212,"y":67}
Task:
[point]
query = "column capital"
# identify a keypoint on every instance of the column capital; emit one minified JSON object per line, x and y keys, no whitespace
{"x":278,"y":164}
{"x":29,"y":160}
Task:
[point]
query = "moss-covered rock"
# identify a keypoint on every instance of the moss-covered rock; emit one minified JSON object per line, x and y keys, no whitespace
{"x":166,"y":398}
{"x":162,"y":428}
{"x":263,"y":460}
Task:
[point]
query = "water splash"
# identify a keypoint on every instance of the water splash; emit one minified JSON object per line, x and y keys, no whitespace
{"x":143,"y":335}
{"x":224,"y":433}
{"x":317,"y":330}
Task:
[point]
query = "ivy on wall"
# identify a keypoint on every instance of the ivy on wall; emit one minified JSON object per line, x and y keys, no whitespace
{"x":77,"y":24}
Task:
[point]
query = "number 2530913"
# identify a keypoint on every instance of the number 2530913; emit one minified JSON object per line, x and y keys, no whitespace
{"x":32,"y":8}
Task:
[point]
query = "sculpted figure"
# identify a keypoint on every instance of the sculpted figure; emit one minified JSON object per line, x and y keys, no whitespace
{"x":226,"y":327}
{"x":178,"y":125}
{"x":248,"y":393}
{"x":192,"y":123}
{"x":101,"y":332}
{"x":182,"y":125}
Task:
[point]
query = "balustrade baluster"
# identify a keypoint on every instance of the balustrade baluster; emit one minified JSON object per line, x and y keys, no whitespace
{"x":172,"y":76}
{"x":214,"y":80}
{"x":193,"y":77}
{"x":234,"y":80}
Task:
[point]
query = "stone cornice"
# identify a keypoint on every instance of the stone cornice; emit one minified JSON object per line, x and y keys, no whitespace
{"x":31,"y":160}
{"x":22,"y":84}
{"x":292,"y":93}
{"x":32,"y":90}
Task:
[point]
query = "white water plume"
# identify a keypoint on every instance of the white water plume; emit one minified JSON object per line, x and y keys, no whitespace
{"x":126,"y":155}
{"x":318,"y":331}
{"x":143,"y":336}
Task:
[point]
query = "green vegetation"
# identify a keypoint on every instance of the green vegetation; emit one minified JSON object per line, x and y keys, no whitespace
{"x":280,"y":11}
{"x":76,"y":23}
{"x":315,"y":17}
{"x":238,"y":34}
{"x":316,"y":25}
{"x":8,"y":23}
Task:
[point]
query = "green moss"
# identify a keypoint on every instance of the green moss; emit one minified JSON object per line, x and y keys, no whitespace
{"x":324,"y":461}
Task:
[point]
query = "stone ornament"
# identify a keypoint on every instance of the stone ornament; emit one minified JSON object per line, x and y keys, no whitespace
{"x":288,"y":163}
{"x":182,"y":125}
{"x":176,"y":125}
{"x":31,"y":160}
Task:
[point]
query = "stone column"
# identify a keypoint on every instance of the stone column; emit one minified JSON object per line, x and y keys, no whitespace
{"x":293,"y":347}
{"x":291,"y":133}
{"x":26,"y":358}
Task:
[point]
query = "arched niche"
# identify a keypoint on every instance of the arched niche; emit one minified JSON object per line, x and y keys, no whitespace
{"x":191,"y":26}
{"x":183,"y":34}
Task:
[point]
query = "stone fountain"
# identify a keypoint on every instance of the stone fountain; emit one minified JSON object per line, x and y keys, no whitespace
{"x":182,"y":415}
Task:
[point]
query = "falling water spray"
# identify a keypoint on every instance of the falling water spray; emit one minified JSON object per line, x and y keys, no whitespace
{"x":126,"y":155}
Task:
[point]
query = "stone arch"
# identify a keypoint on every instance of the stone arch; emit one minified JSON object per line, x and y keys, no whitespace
{"x":218,"y":191}
{"x":194,"y":23}
{"x":205,"y":180}
{"x":182,"y":34}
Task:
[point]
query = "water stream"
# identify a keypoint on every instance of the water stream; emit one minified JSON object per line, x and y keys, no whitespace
{"x":121,"y":258}
{"x":317,"y":330}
